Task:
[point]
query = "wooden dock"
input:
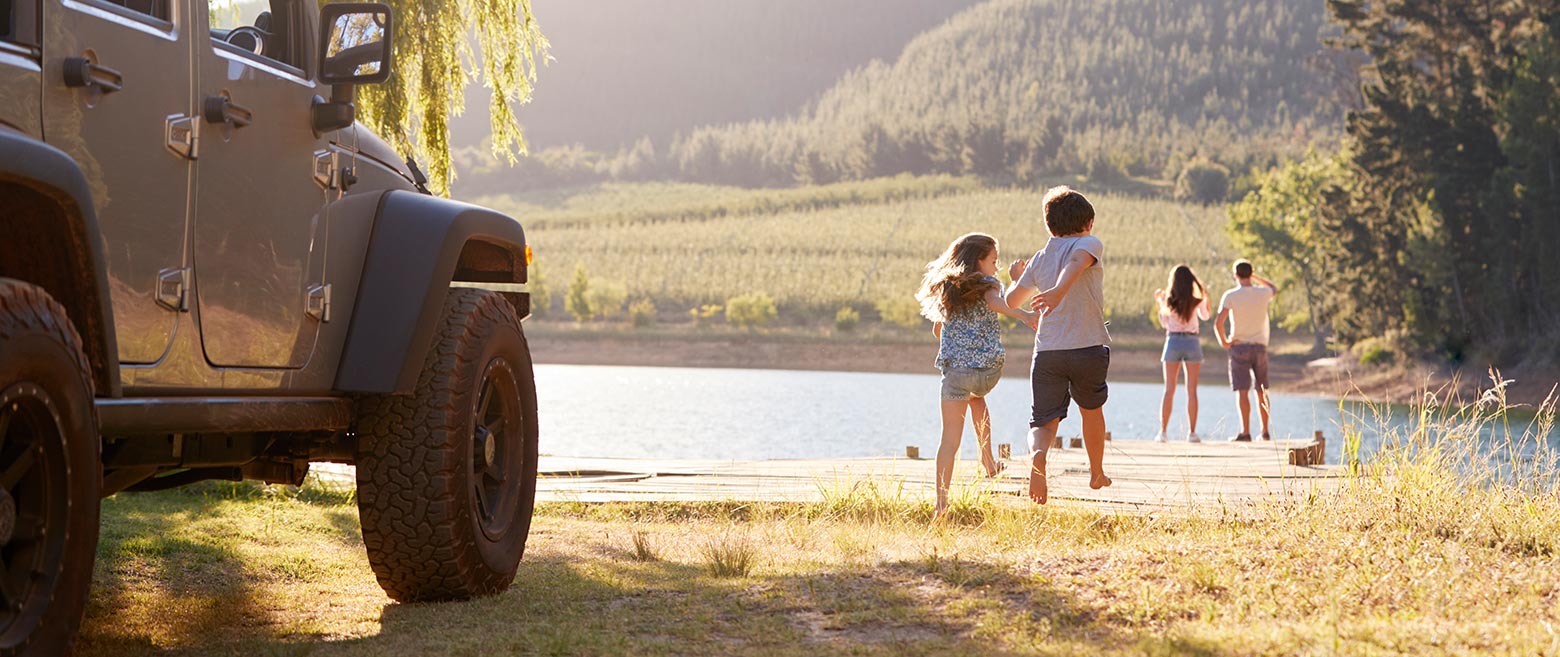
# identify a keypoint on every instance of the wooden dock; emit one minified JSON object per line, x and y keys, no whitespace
{"x":1148,"y":476}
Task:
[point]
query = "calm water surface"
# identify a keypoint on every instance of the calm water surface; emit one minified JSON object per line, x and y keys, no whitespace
{"x":661,"y":412}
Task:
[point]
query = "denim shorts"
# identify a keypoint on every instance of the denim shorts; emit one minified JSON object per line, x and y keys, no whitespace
{"x":962,"y":383}
{"x":1182,"y":348}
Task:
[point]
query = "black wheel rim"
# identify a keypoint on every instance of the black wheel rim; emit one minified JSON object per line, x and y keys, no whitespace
{"x":33,"y":507}
{"x":497,"y":453}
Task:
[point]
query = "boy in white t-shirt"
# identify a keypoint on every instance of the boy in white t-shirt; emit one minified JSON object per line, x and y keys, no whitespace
{"x":1246,"y":308}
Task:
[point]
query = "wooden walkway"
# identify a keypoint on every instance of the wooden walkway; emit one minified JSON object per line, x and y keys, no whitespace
{"x":1147,"y":475}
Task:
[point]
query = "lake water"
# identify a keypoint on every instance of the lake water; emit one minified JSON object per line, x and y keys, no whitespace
{"x":687,"y":413}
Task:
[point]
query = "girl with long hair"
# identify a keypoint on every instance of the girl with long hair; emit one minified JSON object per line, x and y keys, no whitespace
{"x":1180,"y":310}
{"x":962,"y":296}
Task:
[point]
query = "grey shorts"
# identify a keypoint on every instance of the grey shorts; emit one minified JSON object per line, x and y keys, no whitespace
{"x":962,"y":383}
{"x":1248,"y":360}
{"x":1182,"y":348}
{"x":1058,"y":377}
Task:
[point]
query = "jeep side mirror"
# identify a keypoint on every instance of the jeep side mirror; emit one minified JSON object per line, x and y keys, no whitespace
{"x":355,"y":43}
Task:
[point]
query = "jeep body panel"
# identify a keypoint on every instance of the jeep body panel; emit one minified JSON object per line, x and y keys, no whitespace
{"x":140,"y":188}
{"x":52,"y":239}
{"x":419,"y":245}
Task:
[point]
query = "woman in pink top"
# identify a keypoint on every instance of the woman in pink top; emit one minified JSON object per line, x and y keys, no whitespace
{"x":1180,"y":311}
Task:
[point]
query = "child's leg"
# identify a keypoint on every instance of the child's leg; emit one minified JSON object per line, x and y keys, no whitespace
{"x":952,"y":430}
{"x":1172,"y":370}
{"x":1094,"y":444}
{"x":1193,"y":370}
{"x":1039,"y":442}
{"x":980,"y":416}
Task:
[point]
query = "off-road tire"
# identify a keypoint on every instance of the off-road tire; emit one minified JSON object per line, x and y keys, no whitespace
{"x":50,"y":474}
{"x":418,"y":466}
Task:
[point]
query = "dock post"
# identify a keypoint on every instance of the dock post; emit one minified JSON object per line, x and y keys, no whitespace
{"x":1312,"y":454}
{"x":1075,"y":443}
{"x":1107,"y":436}
{"x":913,"y":452}
{"x":1005,"y":451}
{"x":1056,"y":441}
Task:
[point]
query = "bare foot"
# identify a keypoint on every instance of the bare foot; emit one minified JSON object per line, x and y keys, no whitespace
{"x":999,"y":469}
{"x":1037,"y":487}
{"x":1099,"y":481}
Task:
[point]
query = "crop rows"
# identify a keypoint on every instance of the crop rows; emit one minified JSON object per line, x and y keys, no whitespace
{"x":818,"y":261}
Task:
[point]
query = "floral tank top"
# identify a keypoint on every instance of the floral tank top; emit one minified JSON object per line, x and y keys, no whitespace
{"x":971,"y":338}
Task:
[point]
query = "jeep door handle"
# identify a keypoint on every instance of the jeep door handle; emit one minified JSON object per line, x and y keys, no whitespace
{"x":81,"y":72}
{"x":221,"y":109}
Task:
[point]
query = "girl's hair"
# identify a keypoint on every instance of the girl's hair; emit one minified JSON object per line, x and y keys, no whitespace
{"x":953,"y":281}
{"x":1186,"y":292}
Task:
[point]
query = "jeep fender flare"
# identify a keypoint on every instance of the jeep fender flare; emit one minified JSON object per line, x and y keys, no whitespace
{"x":48,"y":218}
{"x":420,"y":245}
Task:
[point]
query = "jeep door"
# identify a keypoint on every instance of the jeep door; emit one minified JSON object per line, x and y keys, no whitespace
{"x":116,"y":88}
{"x":259,"y":208}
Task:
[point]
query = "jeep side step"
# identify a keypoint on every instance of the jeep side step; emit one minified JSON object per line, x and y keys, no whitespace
{"x":224,"y":415}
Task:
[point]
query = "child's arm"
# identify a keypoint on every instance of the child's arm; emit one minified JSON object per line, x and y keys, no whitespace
{"x":995,"y":302}
{"x":1265,"y":283}
{"x":937,"y":330}
{"x":1018,"y":294}
{"x":1050,"y":299}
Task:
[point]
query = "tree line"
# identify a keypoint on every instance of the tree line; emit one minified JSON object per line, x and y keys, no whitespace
{"x":1015,"y":90}
{"x":1433,"y":230}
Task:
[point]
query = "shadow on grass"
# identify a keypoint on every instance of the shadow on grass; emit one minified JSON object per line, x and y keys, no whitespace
{"x":613,"y":605}
{"x":147,"y":573}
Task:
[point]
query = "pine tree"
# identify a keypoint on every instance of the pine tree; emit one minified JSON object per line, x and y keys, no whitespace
{"x":577,"y":301}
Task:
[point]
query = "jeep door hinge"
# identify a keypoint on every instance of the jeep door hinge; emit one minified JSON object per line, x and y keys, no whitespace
{"x":318,"y":304}
{"x":182,"y":135}
{"x":325,"y":169}
{"x":172,"y":287}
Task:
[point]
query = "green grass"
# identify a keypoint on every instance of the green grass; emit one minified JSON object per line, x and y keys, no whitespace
{"x":1416,"y":554}
{"x":815,"y":250}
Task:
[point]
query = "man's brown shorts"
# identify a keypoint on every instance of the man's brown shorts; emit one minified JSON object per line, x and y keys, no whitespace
{"x":1248,"y":360}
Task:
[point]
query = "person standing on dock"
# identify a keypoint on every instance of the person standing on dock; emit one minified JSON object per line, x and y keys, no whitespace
{"x":1182,"y":304}
{"x":1246,"y":308}
{"x":1066,"y":282}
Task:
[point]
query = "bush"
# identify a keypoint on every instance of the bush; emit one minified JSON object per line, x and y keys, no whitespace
{"x":750,"y":310}
{"x":606,"y":299}
{"x":577,"y":301}
{"x":904,"y":312}
{"x":846,"y":319}
{"x":1375,"y":351}
{"x":1203,"y":181}
{"x":705,"y":314}
{"x":642,"y":313}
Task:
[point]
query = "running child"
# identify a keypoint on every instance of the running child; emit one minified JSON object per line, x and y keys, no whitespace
{"x":1066,"y":280}
{"x":961,"y":295}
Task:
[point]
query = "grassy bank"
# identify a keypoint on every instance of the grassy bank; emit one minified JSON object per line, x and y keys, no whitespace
{"x":1419,"y":554}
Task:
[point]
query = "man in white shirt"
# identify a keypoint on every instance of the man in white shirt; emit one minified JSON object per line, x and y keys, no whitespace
{"x":1246,"y":308}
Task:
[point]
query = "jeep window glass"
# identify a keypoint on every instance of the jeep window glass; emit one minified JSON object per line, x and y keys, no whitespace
{"x":157,"y":9}
{"x":19,"y":21}
{"x":258,"y":27}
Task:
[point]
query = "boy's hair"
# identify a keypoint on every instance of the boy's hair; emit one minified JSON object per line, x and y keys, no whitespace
{"x":1066,"y":211}
{"x":1242,"y":268}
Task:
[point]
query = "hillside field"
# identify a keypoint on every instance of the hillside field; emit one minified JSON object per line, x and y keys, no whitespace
{"x":863,"y":245}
